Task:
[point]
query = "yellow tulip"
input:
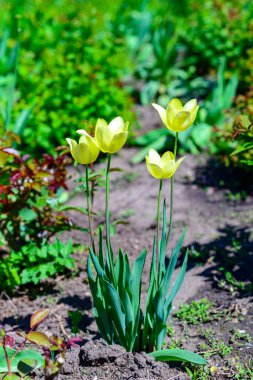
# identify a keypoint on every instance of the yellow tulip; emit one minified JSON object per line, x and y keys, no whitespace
{"x":177,"y":117}
{"x":162,"y":167}
{"x":86,"y":151}
{"x":111,"y":137}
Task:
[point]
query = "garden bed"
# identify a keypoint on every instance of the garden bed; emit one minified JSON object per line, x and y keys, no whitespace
{"x":215,"y":224}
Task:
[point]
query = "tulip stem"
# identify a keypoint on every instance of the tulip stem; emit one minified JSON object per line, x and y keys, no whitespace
{"x":171,"y":192}
{"x":158,"y":214}
{"x":107,"y":219}
{"x":89,"y":207}
{"x":107,"y":211}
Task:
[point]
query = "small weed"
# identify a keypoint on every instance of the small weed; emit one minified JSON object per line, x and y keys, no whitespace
{"x":231,"y":370}
{"x":76,"y":318}
{"x":129,"y":177}
{"x":125,"y":214}
{"x":214,"y":346}
{"x":236,"y":197}
{"x":244,"y":371}
{"x":233,"y":285}
{"x":238,"y":336}
{"x":201,"y":311}
{"x":196,"y":255}
{"x":198,"y":373}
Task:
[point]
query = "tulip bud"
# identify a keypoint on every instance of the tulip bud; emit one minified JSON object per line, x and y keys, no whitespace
{"x":162,"y":167}
{"x":177,"y":117}
{"x":86,"y":151}
{"x":111,"y":137}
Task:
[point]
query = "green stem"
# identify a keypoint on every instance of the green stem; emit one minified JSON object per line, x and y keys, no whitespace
{"x":172,"y":192}
{"x":107,"y":220}
{"x":107,"y":211}
{"x":89,"y":207}
{"x":158,"y":218}
{"x":158,"y":212}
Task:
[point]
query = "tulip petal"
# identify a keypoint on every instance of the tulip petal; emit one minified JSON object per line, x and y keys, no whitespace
{"x":117,"y":142}
{"x":125,"y":127}
{"x":103,"y":136}
{"x":181,"y":121}
{"x":189,"y":106}
{"x":153,"y":157}
{"x":82,"y":132}
{"x":168,"y":164}
{"x":161,"y":111}
{"x":176,"y":104}
{"x":72,"y":145}
{"x":82,"y":154}
{"x":193,"y":115}
{"x":154,"y":170}
{"x":117,"y":125}
{"x":178,"y":163}
{"x":101,"y":123}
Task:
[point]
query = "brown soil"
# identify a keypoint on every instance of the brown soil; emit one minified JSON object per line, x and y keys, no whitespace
{"x":214,"y":224}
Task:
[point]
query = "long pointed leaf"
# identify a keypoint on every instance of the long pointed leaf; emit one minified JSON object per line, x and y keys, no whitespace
{"x":178,"y":355}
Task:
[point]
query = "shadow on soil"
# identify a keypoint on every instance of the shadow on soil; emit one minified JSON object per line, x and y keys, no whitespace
{"x":232,"y":254}
{"x":237,"y":181}
{"x":79,"y":303}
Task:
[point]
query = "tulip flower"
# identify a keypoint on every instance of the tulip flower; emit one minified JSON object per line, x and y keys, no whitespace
{"x":177,"y":117}
{"x":111,"y":137}
{"x":86,"y":151}
{"x":162,"y":167}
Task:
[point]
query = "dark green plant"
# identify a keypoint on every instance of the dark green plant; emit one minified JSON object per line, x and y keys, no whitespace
{"x":33,"y":264}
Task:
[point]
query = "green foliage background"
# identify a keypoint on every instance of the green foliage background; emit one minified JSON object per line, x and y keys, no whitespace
{"x":70,"y":67}
{"x":83,"y":59}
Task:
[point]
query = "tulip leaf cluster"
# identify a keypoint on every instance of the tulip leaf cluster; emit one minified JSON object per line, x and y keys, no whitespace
{"x":117,"y":306}
{"x":117,"y":298}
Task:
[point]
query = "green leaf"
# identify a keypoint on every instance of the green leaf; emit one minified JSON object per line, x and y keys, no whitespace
{"x":21,"y":356}
{"x":21,"y":121}
{"x":178,"y":282}
{"x":158,"y":144}
{"x":38,"y":317}
{"x":39,"y":338}
{"x":178,"y":355}
{"x":201,"y":135}
{"x":117,"y":309}
{"x":135,"y":281}
{"x":242,"y":148}
{"x":27,"y":214}
{"x":172,"y":263}
{"x":12,"y":376}
{"x":26,"y":365}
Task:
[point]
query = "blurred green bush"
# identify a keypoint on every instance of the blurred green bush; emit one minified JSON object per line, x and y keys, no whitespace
{"x":70,"y":68}
{"x":76,"y":58}
{"x":216,"y":29}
